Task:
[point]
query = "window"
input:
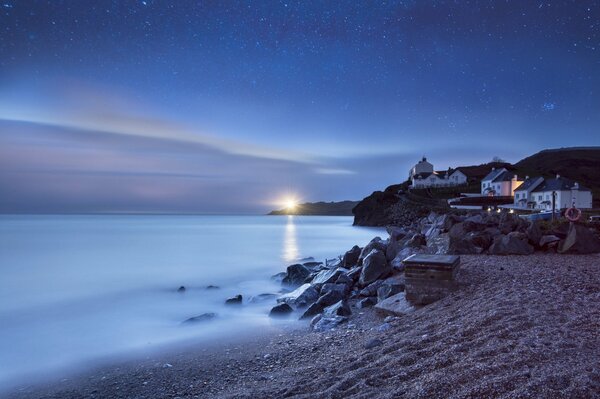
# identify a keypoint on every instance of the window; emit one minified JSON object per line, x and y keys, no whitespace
{"x":517,"y":195}
{"x":540,"y":197}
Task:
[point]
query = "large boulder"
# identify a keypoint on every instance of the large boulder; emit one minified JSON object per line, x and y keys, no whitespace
{"x":328,"y":275}
{"x":514,"y":243}
{"x":312,"y":311}
{"x":534,"y":233}
{"x":351,"y":257}
{"x":548,"y":241}
{"x":197,"y":319}
{"x":458,"y":241}
{"x":302,"y":296}
{"x":580,"y":240}
{"x":375,"y":266}
{"x":371,"y":289}
{"x":321,"y":323}
{"x":234,"y":300}
{"x":340,"y":308}
{"x":329,"y":298}
{"x":396,"y":305}
{"x":390,"y":286}
{"x":417,"y":240}
{"x":332,"y":287}
{"x":283,"y":309}
{"x":375,"y":243}
{"x":296,"y":275}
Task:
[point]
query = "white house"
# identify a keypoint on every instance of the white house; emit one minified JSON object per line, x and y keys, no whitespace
{"x":422,"y":175}
{"x":568,"y":193}
{"x":523,"y":196}
{"x":500,"y":182}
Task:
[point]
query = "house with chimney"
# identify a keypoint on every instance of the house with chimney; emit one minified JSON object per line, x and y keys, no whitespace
{"x":539,"y":193}
{"x":500,"y":183}
{"x":422,"y":175}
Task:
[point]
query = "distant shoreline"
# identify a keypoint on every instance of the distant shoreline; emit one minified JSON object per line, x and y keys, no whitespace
{"x":342,"y":208}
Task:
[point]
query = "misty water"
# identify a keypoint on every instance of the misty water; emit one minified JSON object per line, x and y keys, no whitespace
{"x":75,"y":289}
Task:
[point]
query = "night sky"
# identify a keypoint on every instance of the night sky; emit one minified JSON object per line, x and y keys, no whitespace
{"x":218,"y":107}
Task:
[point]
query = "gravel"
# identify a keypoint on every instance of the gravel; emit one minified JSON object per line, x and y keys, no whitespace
{"x":519,"y":326}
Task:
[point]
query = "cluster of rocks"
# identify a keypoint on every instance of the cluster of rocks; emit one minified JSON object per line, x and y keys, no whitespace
{"x":492,"y":233}
{"x":327,"y":293}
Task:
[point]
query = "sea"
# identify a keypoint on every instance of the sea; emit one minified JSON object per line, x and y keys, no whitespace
{"x":75,"y":289}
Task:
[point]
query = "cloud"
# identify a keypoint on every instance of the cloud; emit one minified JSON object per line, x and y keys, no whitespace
{"x":333,"y":171}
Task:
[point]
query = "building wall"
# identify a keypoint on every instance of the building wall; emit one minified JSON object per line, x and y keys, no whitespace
{"x":564,"y":199}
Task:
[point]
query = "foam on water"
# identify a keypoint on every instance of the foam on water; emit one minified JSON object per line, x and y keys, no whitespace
{"x":78,"y":288}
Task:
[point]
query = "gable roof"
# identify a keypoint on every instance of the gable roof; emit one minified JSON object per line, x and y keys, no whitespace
{"x":530,"y":183}
{"x":493,"y":174}
{"x":558,"y":184}
{"x":504,"y":176}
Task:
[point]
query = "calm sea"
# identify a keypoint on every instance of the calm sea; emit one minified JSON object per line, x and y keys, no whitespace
{"x":78,"y":288}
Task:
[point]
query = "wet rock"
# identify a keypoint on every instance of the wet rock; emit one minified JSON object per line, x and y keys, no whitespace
{"x":384,"y":327}
{"x":351,"y":257}
{"x":278,"y":277}
{"x":201,"y":318}
{"x":513,"y":243}
{"x":330,"y":298}
{"x":340,"y":308}
{"x":313,"y":265}
{"x":295,"y":275}
{"x":283,"y":309}
{"x":212,"y":287}
{"x":580,"y":240}
{"x":344,"y":279}
{"x":375,"y":266}
{"x":262,"y":297}
{"x":375,"y":243}
{"x":548,"y":240}
{"x":396,"y":305}
{"x":354,"y":273}
{"x":435,"y":246}
{"x":416,"y":241}
{"x":328,"y":275}
{"x":301,"y":296}
{"x":366,"y":302}
{"x":312,"y":310}
{"x":340,"y":288}
{"x":321,"y":323}
{"x":372,"y":343}
{"x":235,"y":300}
{"x":534,"y":233}
{"x":391,"y":286}
{"x":371,"y":289}
{"x":181,"y":289}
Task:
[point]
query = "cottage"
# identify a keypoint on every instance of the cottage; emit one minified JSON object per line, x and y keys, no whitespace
{"x":500,"y":182}
{"x":422,"y":175}
{"x":538,"y":193}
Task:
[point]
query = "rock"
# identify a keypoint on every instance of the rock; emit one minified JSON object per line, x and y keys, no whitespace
{"x":340,"y":288}
{"x":416,"y":241}
{"x":313,"y":265}
{"x":278,"y":277}
{"x":397,"y":265}
{"x":580,"y":240}
{"x":458,"y":243}
{"x":375,"y":266}
{"x":384,"y":327}
{"x":449,"y":221}
{"x":371,"y":289}
{"x":373,"y":343}
{"x":295,"y":275}
{"x":534,"y":233}
{"x":344,"y":279}
{"x":301,"y":296}
{"x":312,"y":310}
{"x":321,"y":323}
{"x":396,"y":305}
{"x":330,"y":298}
{"x":181,"y":289}
{"x":547,"y":240}
{"x":328,"y":275}
{"x":477,"y":219}
{"x":262,"y":297}
{"x":340,"y":308}
{"x":351,"y":257}
{"x":481,"y":240}
{"x":375,"y":243}
{"x":390,"y":286}
{"x":390,"y":319}
{"x":212,"y":287}
{"x":366,"y":302}
{"x":514,"y":243}
{"x":236,"y":300}
{"x":283,"y":309}
{"x":201,"y":318}
{"x":354,"y":273}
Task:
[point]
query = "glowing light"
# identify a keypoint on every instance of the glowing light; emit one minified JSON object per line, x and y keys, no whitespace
{"x":290,"y":204}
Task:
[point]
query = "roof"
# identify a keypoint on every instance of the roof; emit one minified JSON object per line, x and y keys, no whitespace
{"x":504,"y":176}
{"x":558,"y":184}
{"x":493,"y":174}
{"x":530,"y":183}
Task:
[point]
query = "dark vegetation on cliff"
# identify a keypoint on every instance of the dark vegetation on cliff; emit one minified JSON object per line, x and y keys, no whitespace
{"x":343,"y":208}
{"x":395,"y":205}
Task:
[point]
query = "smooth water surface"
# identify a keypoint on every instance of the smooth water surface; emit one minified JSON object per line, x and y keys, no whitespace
{"x":77,"y":288}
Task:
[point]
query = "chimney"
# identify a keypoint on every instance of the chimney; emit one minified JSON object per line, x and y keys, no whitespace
{"x":576,"y":186}
{"x":515,"y":177}
{"x":526,"y":177}
{"x":557,"y":176}
{"x":493,"y":169}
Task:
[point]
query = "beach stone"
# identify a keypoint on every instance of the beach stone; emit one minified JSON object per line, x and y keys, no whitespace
{"x":534,"y":233}
{"x":366,"y":302}
{"x":295,"y":275}
{"x":350,"y":258}
{"x":262,"y":297}
{"x":328,"y":275}
{"x":375,"y":243}
{"x":344,"y":279}
{"x":312,"y":310}
{"x":313,"y":265}
{"x":417,"y":240}
{"x":546,"y":240}
{"x":282,"y":309}
{"x":340,"y":288}
{"x":212,"y":287}
{"x":375,"y":266}
{"x":181,"y":289}
{"x":372,"y":343}
{"x":340,"y":308}
{"x":354,"y":273}
{"x":384,"y":327}
{"x":396,"y":305}
{"x":514,"y":243}
{"x":301,"y":296}
{"x":235,"y":300}
{"x":330,"y":298}
{"x":436,"y":246}
{"x":201,"y":318}
{"x":371,"y":289}
{"x":321,"y":323}
{"x":580,"y":240}
{"x":390,"y":286}
{"x":278,"y":277}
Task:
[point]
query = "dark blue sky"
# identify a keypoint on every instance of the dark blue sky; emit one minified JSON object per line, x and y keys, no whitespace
{"x":230,"y":106}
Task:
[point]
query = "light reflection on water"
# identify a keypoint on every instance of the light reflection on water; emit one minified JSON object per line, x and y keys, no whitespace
{"x":77,"y":288}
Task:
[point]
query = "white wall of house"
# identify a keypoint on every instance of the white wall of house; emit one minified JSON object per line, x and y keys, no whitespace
{"x":433,"y":180}
{"x":502,"y":188}
{"x":564,"y":199}
{"x":421,"y":167}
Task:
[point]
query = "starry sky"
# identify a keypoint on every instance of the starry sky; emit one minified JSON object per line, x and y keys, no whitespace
{"x":228,"y":107}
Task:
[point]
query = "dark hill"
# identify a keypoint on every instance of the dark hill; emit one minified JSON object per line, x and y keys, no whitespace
{"x":343,"y":208}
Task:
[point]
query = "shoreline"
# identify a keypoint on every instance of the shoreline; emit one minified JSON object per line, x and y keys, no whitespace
{"x":518,"y":326}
